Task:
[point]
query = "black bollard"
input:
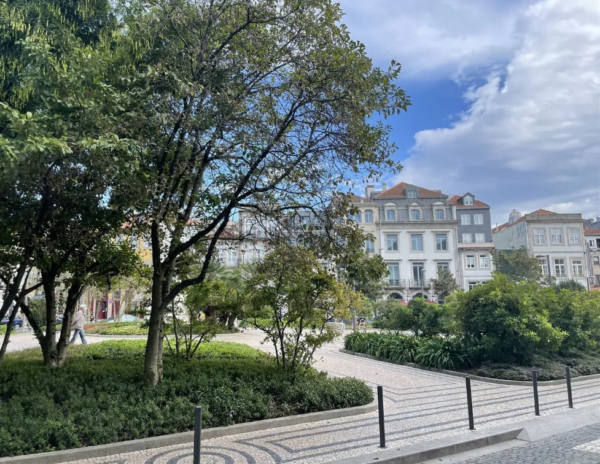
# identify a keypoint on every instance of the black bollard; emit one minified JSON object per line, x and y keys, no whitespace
{"x":197,"y":434}
{"x":569,"y":392}
{"x":381,"y":417}
{"x":535,"y":394}
{"x":470,"y":405}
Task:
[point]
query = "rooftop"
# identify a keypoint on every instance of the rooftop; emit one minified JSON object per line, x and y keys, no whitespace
{"x":398,"y":191}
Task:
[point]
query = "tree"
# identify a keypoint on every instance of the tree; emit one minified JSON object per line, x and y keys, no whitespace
{"x":445,"y":284}
{"x":243,"y":103}
{"x":570,"y":284}
{"x":292,"y":301}
{"x":517,"y":265}
{"x":365,"y":273}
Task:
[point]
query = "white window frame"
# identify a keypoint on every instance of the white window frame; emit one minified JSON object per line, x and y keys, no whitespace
{"x":596,"y":260}
{"x":415,"y":214}
{"x":369,"y":213}
{"x":443,"y":265}
{"x":387,"y":243}
{"x":443,"y":215}
{"x":543,"y":264}
{"x":478,"y":219}
{"x":486,"y":262}
{"x":553,"y":234}
{"x":472,"y":284}
{"x":468,"y":200}
{"x":556,"y":267}
{"x":387,"y":215}
{"x":539,"y":239}
{"x":478,"y":236}
{"x":467,"y":237}
{"x":370,"y":245}
{"x":468,"y":260}
{"x":579,"y":271}
{"x":411,"y":194}
{"x":412,"y":248}
{"x":572,"y":234}
{"x":445,"y":242}
{"x":465,"y":219}
{"x":394,"y":281}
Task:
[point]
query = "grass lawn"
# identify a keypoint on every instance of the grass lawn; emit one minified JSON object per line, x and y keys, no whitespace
{"x":98,"y":396}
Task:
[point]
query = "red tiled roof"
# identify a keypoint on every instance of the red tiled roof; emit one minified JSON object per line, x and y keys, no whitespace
{"x":541,"y":211}
{"x":397,"y":191}
{"x":521,"y":219}
{"x":477,"y":204}
{"x":591,"y":231}
{"x":356,"y":198}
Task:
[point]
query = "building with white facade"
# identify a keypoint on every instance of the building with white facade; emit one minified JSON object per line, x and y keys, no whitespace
{"x":557,"y":240}
{"x":415,"y":231}
{"x":475,"y":245}
{"x":592,"y":238}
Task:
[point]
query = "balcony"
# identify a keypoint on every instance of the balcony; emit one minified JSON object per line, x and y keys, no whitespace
{"x":396,"y":283}
{"x":424,"y":283}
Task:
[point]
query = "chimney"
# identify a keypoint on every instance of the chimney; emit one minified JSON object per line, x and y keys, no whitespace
{"x":384,"y":186}
{"x":513,"y":216}
{"x":369,"y":191}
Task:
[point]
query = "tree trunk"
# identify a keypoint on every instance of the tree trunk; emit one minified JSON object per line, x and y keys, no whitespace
{"x":49,"y":345}
{"x":152,"y":372}
{"x":12,"y":290}
{"x":9,"y":327}
{"x":65,"y":332}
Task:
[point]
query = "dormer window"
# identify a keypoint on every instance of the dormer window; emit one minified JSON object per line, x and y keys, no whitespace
{"x":411,"y":194}
{"x":415,"y":215}
{"x":468,"y":201}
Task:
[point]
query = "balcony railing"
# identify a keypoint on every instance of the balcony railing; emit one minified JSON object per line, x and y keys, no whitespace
{"x":423,"y":283}
{"x":399,"y":283}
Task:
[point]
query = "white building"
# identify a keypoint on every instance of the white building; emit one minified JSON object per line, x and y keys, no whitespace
{"x":557,"y":241}
{"x":415,"y":231}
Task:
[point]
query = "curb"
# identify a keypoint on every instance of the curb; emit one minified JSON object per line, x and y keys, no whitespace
{"x":413,"y":454}
{"x":55,"y":457}
{"x":522,"y":383}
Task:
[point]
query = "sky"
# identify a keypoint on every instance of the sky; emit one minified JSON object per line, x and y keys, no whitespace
{"x":505,"y":97}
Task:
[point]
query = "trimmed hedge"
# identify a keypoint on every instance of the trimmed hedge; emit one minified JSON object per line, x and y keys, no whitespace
{"x":98,"y":396}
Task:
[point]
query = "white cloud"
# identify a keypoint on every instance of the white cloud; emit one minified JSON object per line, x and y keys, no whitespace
{"x":434,"y":38}
{"x":531,"y":136}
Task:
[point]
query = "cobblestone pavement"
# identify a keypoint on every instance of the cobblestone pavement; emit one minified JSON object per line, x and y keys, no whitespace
{"x":581,"y":446}
{"x":419,"y":406}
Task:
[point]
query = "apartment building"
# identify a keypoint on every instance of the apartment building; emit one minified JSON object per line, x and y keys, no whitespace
{"x":557,"y":241}
{"x":414,"y":229}
{"x":592,"y":238}
{"x":475,"y":245}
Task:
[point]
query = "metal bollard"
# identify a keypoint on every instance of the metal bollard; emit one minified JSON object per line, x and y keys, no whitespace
{"x":535,"y":393}
{"x":381,"y":417}
{"x":569,"y":392}
{"x":470,"y":405}
{"x":197,"y":434}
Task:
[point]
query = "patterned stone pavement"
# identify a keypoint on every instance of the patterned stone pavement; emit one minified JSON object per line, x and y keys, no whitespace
{"x":579,"y":447}
{"x":419,"y":406}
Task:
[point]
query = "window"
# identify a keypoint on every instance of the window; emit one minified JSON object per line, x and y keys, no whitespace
{"x":577,"y":268}
{"x":232,"y":258}
{"x":592,"y":243}
{"x":418,"y":272}
{"x":355,"y":217}
{"x":392,"y":242}
{"x":443,"y":267}
{"x":539,"y":236}
{"x":574,"y":236}
{"x":415,"y":215}
{"x":369,"y":216}
{"x":556,"y":236}
{"x":478,"y":219}
{"x":465,"y":219}
{"x":370,"y":246}
{"x":390,"y":215}
{"x":411,"y":194}
{"x":394,"y":274}
{"x":468,"y":200}
{"x":543,"y":265}
{"x":472,"y":285}
{"x":416,"y":241}
{"x":441,"y":242}
{"x":484,"y":262}
{"x":470,"y":262}
{"x":559,"y":268}
{"x":467,"y":238}
{"x":439,"y":214}
{"x":596,"y":260}
{"x":479,"y":238}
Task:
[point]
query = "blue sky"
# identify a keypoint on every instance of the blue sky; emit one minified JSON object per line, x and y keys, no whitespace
{"x":506,"y":97}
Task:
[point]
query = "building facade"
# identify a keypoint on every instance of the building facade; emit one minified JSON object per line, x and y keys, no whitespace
{"x":415,"y":231}
{"x":592,"y":238}
{"x":475,"y":245}
{"x":556,"y":240}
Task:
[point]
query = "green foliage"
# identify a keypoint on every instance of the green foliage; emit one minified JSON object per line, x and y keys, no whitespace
{"x":391,"y":347}
{"x":445,"y":284}
{"x":364,"y":273}
{"x":442,"y":353}
{"x":90,"y":403}
{"x":420,"y":317}
{"x":571,"y":285}
{"x":517,"y":265}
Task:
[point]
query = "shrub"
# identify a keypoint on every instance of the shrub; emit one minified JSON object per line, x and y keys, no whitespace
{"x":420,"y":317}
{"x":98,"y":396}
{"x":442,"y":353}
{"x":391,"y":347}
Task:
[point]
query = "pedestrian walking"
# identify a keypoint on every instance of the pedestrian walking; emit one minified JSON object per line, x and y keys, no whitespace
{"x":78,"y":323}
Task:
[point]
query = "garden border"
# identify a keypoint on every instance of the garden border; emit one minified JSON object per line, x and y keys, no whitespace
{"x":523,"y":383}
{"x":56,"y":457}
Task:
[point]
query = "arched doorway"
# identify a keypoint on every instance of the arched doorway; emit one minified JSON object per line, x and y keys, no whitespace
{"x":396,"y":296}
{"x":420,"y":295}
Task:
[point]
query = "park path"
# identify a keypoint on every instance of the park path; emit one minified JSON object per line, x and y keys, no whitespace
{"x":419,"y":405}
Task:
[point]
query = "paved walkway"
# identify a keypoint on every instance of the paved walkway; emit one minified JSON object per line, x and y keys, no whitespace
{"x":419,"y":405}
{"x":581,"y":446}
